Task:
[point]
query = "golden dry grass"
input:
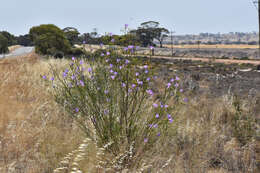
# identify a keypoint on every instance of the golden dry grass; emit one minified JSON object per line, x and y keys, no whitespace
{"x":36,"y":134}
{"x":34,"y":131}
{"x":219,"y":46}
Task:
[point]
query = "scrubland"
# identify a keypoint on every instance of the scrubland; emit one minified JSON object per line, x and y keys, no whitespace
{"x":214,"y":135}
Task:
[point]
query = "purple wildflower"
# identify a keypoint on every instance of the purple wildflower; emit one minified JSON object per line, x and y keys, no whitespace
{"x":140,"y":82}
{"x":110,"y":65}
{"x":136,"y":74}
{"x":158,"y":134}
{"x":151,"y":47}
{"x":120,"y":67}
{"x":73,"y":58}
{"x":115,"y":73}
{"x":176,"y":85}
{"x":145,"y":140}
{"x":185,"y":99}
{"x":111,"y":71}
{"x":148,"y":79}
{"x":113,"y":77}
{"x":106,"y":91}
{"x":126,"y":49}
{"x":181,"y":90}
{"x":157,"y":116}
{"x":52,"y":79}
{"x":170,"y":120}
{"x":146,"y":71}
{"x":89,"y":69}
{"x":81,"y":83}
{"x":102,"y":54}
{"x":127,"y":61}
{"x":108,"y":53}
{"x":155,"y":125}
{"x":76,"y":109}
{"x":107,"y":60}
{"x":145,"y":66}
{"x":106,"y":111}
{"x":166,"y":106}
{"x":172,"y":80}
{"x":150,"y":92}
{"x":44,"y":77}
{"x":133,"y":85}
{"x":155,"y":105}
{"x":73,"y":77}
{"x":123,"y":85}
{"x":177,"y":78}
{"x":80,"y":62}
{"x":113,"y":40}
{"x":117,"y":60}
{"x":130,"y":47}
{"x":65,"y":74}
{"x":169,"y":85}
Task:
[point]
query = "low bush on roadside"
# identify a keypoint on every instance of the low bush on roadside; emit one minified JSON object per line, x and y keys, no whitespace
{"x":114,"y":102}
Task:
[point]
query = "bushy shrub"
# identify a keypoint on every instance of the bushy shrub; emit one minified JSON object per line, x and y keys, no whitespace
{"x":114,"y":101}
{"x":76,"y":52}
{"x":49,"y":39}
{"x":3,"y":44}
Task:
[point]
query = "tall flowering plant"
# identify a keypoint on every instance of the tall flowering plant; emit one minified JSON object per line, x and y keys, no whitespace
{"x":115,"y":101}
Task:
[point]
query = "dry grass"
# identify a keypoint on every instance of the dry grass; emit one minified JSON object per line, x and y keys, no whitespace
{"x":218,"y":46}
{"x":34,"y":132}
{"x":37,"y":136}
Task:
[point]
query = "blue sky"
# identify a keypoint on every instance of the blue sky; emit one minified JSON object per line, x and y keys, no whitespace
{"x":183,"y":16}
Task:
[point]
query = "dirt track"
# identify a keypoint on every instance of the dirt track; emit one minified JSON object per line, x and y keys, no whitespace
{"x":225,"y":61}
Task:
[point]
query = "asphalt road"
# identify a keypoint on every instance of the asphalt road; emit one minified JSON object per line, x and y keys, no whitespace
{"x":18,"y":52}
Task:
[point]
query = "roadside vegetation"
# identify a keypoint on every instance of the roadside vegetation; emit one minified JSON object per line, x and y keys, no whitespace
{"x":70,"y":110}
{"x":118,"y":114}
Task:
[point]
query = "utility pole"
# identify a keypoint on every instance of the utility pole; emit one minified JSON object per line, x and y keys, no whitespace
{"x":172,"y":41}
{"x":259,"y":27}
{"x":258,"y":10}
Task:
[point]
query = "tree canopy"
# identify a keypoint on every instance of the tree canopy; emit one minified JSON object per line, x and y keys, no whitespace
{"x":10,"y":38}
{"x":148,"y":31}
{"x":3,"y":44}
{"x":72,"y":34}
{"x":49,"y":39}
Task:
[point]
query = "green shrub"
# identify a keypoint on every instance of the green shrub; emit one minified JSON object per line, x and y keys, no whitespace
{"x":3,"y":44}
{"x":49,"y":39}
{"x":113,"y":102}
{"x":76,"y":52}
{"x":243,"y":124}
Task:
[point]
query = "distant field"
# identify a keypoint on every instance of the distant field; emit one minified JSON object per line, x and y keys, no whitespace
{"x":221,"y":46}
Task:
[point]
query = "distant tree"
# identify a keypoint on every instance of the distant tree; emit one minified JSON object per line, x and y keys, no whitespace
{"x":161,"y":34}
{"x":72,"y":34}
{"x":49,"y":39}
{"x":11,"y":38}
{"x":148,"y":31}
{"x":3,"y":44}
{"x":24,"y":40}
